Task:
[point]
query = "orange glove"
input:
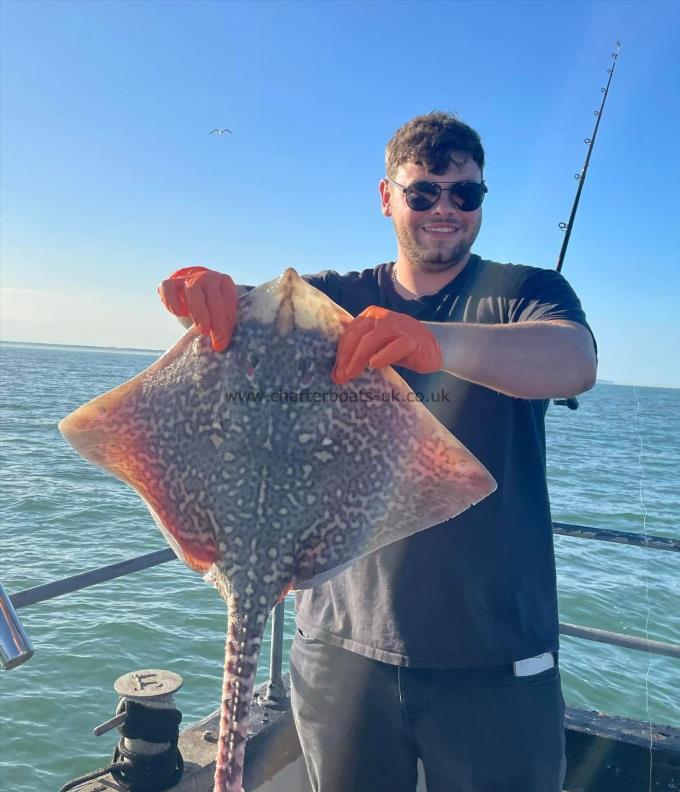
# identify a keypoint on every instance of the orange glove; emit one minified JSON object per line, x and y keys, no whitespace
{"x":208,"y":297}
{"x":379,"y":337}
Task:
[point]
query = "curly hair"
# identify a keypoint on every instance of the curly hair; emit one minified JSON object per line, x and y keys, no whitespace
{"x":429,"y":140}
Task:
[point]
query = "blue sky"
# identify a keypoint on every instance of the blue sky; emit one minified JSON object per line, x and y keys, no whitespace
{"x":110,"y":179}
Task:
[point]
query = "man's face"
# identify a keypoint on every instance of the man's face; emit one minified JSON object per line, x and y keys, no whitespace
{"x":439,"y":238}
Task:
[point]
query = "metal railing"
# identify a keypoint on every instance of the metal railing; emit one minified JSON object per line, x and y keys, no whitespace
{"x":83,"y":580}
{"x":619,"y":537}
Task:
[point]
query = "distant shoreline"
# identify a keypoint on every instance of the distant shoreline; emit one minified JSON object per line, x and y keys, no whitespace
{"x":137,"y":351}
{"x":81,"y":346}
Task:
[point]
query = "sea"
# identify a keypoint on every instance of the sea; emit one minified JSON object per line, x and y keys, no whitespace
{"x":612,"y":463}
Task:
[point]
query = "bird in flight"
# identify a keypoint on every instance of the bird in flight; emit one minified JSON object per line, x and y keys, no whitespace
{"x":221,"y":131}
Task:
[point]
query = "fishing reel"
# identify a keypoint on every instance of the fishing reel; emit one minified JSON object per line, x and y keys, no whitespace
{"x":571,"y":402}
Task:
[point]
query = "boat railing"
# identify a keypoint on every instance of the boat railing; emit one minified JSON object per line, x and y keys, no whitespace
{"x":15,"y":647}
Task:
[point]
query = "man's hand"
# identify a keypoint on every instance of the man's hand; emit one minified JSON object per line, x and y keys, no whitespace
{"x":209,"y":298}
{"x":379,"y":337}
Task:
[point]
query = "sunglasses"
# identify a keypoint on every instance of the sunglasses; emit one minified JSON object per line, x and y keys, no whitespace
{"x":423,"y":195}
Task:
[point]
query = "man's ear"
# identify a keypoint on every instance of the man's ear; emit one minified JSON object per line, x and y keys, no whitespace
{"x":385,"y":198}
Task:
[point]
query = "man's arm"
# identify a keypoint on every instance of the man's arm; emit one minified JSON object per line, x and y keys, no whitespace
{"x":528,"y":360}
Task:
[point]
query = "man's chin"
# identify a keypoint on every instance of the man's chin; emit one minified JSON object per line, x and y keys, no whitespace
{"x":428,"y":261}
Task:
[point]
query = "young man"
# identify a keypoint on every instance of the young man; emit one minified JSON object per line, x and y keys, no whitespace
{"x":443,"y":646}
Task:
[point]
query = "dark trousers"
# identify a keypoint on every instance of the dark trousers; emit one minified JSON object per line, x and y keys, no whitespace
{"x":363,"y":725}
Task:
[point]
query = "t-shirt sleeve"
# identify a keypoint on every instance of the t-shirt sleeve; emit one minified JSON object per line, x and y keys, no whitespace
{"x":544,"y":295}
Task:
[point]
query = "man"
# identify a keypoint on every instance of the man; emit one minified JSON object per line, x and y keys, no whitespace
{"x":443,"y":646}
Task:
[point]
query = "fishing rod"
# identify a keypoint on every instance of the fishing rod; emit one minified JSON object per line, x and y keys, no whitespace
{"x":572,"y":402}
{"x":581,"y":177}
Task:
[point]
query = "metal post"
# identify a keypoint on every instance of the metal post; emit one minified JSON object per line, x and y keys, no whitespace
{"x":275,"y":692}
{"x":15,"y":646}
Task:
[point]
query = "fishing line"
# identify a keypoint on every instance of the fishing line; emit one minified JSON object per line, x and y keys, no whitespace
{"x":646,"y":551}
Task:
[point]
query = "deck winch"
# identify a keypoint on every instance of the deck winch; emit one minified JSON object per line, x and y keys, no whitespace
{"x":147,"y":758}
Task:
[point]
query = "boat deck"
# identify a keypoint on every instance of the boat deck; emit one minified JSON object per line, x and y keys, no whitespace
{"x":604,"y":754}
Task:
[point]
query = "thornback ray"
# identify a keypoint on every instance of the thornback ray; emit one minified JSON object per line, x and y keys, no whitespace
{"x":263,"y":473}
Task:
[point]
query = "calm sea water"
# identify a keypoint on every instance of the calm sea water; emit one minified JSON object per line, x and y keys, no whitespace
{"x":613,"y":463}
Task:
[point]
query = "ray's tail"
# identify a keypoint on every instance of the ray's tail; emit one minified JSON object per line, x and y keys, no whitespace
{"x":240,"y":667}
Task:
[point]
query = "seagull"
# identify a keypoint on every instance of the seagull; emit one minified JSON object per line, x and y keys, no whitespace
{"x":221,"y":131}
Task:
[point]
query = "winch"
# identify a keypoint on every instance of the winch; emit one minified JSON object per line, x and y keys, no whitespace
{"x":147,"y":758}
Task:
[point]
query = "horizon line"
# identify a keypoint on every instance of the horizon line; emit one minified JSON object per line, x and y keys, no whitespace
{"x":146,"y":349}
{"x":81,"y":346}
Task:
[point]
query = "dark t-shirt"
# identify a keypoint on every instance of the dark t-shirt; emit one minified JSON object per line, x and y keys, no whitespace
{"x":479,"y":589}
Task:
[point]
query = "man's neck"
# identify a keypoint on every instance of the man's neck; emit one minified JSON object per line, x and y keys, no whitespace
{"x":411,"y":283}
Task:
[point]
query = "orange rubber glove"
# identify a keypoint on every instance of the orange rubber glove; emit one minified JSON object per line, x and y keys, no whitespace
{"x":379,"y":337}
{"x":208,"y":297}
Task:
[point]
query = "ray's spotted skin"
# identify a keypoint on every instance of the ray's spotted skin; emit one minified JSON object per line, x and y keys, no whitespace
{"x":264,"y":492}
